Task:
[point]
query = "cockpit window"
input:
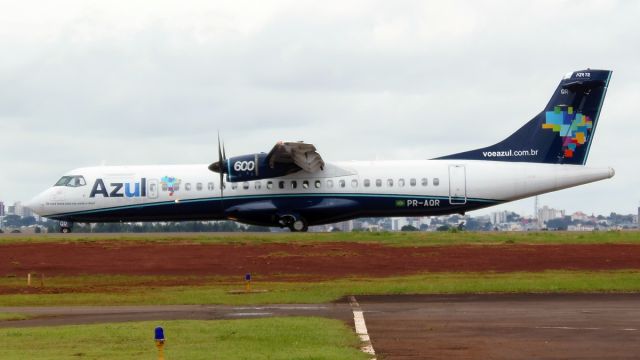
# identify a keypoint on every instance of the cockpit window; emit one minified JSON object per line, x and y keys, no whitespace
{"x":63,"y":181}
{"x":71,"y":181}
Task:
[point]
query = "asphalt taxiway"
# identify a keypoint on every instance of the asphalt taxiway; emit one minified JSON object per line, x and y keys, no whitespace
{"x":486,"y":326}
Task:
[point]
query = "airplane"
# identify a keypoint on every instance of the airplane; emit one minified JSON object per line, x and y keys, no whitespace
{"x":292,"y":186}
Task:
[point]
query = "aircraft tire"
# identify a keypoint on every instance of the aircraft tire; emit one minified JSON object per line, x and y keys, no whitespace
{"x":65,"y":227}
{"x":299,"y":226}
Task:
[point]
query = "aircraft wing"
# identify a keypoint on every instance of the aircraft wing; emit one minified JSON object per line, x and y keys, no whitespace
{"x":303,"y":155}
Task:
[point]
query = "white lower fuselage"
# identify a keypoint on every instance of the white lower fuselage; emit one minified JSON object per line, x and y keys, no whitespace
{"x":342,"y":191}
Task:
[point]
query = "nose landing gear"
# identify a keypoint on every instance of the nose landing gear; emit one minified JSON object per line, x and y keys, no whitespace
{"x":65,"y":227}
{"x":294,"y":223}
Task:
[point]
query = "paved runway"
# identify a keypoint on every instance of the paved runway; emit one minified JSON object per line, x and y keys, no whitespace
{"x":540,"y":326}
{"x":599,"y":326}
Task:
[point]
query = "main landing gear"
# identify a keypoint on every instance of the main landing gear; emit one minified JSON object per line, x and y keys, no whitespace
{"x":294,"y":223}
{"x":65,"y":227}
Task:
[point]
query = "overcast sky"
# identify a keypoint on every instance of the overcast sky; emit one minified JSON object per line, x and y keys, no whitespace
{"x":150,"y":82}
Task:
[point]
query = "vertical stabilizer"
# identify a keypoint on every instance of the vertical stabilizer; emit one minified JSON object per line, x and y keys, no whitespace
{"x":562,"y":133}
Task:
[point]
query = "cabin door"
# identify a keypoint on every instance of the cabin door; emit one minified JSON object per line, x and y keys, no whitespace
{"x":457,"y":184}
{"x":152,"y":189}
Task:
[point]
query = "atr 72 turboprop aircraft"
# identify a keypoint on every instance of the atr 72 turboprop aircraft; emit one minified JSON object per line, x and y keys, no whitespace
{"x":292,"y":186}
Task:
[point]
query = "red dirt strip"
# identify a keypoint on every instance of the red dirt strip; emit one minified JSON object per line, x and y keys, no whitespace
{"x":315,"y":260}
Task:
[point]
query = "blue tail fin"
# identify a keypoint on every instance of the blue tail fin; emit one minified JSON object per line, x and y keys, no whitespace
{"x":562,"y":133}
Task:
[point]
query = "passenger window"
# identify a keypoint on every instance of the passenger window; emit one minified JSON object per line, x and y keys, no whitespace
{"x":258,"y":185}
{"x":318,"y":184}
{"x":294,"y":184}
{"x":245,"y":185}
{"x":412,"y":182}
{"x":401,"y":182}
{"x":378,"y":183}
{"x":305,"y":184}
{"x":187,"y":186}
{"x":425,"y":182}
{"x":234,"y":186}
{"x":342,"y":183}
{"x":436,"y":181}
{"x":367,"y":182}
{"x":269,"y":185}
{"x":210,"y":186}
{"x":354,"y":183}
{"x":390,"y":182}
{"x":199,"y":186}
{"x":329,"y":183}
{"x":281,"y":184}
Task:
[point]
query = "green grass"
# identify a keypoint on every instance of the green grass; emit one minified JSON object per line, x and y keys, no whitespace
{"x":122,"y":290}
{"x":12,"y":316}
{"x":387,"y":238}
{"x":271,"y":338}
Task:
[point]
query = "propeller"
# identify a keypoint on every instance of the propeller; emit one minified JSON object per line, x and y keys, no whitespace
{"x":218,"y":166}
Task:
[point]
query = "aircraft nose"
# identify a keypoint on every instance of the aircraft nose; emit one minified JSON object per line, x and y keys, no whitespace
{"x":34,"y":204}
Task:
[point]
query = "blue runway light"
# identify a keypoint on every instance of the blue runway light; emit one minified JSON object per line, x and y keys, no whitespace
{"x":247,"y":277}
{"x":159,"y":334}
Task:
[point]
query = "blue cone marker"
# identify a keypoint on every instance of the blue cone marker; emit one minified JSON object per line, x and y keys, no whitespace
{"x":159,"y":337}
{"x":159,"y":334}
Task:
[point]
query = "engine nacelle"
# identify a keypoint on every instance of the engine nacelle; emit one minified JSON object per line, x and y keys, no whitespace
{"x":255,"y":167}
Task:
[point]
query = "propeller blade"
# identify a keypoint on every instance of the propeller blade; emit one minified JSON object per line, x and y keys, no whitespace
{"x":219,"y":149}
{"x":224,"y":153}
{"x":221,"y":157}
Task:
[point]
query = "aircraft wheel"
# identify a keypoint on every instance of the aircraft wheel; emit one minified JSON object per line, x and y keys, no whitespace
{"x":65,"y":227}
{"x":299,"y":226}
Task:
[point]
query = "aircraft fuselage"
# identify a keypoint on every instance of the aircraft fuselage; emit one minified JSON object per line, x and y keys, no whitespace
{"x":341,"y":191}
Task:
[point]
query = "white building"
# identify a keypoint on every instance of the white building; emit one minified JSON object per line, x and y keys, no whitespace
{"x":499,"y":217}
{"x":579,"y":216}
{"x":398,"y":223}
{"x":546,"y":213}
{"x":344,"y":226}
{"x":18,"y":209}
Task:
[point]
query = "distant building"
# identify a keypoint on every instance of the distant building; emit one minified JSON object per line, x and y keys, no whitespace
{"x":2,"y":208}
{"x":398,"y":223}
{"x":483,"y":218}
{"x":579,"y":216}
{"x":27,"y":212}
{"x":546,"y":213}
{"x":499,"y":217}
{"x":344,"y":226}
{"x":18,"y":209}
{"x":638,"y":217}
{"x":580,"y":227}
